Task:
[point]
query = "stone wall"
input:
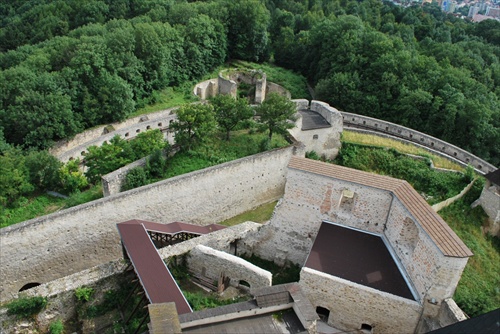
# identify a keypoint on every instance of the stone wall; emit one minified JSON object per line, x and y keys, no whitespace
{"x":271,"y":87}
{"x":490,"y":202}
{"x":439,"y":146}
{"x":46,"y":248}
{"x":72,"y":149}
{"x":112,"y":182}
{"x":325,"y":141}
{"x":211,"y":263}
{"x":351,"y":305}
{"x":449,"y":314}
{"x":309,"y":199}
{"x":433,"y":275}
{"x":61,"y":292}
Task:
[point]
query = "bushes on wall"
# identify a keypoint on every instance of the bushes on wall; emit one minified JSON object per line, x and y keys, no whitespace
{"x":26,"y":307}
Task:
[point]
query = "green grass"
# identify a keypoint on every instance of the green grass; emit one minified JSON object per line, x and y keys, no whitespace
{"x":378,"y":141}
{"x":478,"y":291}
{"x":260,"y":214}
{"x":218,"y":151}
{"x":168,"y":98}
{"x":45,"y":204}
{"x":288,"y":273}
{"x":436,"y":185}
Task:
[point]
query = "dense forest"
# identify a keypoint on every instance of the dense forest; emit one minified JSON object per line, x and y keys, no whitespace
{"x":67,"y":65}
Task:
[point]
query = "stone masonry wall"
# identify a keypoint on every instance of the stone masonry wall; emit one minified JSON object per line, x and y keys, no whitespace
{"x":61,"y":292}
{"x":436,"y":145}
{"x":309,"y":199}
{"x":352,"y":305}
{"x":46,"y":248}
{"x":73,"y":148}
{"x":212,"y":263}
{"x":433,"y":275}
{"x":325,"y":141}
{"x":490,"y":202}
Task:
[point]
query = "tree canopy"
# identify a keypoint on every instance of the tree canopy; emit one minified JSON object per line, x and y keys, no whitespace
{"x":67,"y":65}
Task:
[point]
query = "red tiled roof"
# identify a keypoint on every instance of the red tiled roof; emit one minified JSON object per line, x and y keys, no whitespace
{"x":437,"y":229}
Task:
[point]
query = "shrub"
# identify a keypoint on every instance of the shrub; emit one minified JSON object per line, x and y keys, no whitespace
{"x":56,"y":327}
{"x":84,"y":294}
{"x":156,"y":164}
{"x":26,"y":307}
{"x":136,"y":177}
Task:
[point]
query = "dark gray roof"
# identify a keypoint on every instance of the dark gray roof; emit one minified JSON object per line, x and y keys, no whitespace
{"x":358,"y":257}
{"x":488,"y":323}
{"x":494,"y":177}
{"x":312,"y":120}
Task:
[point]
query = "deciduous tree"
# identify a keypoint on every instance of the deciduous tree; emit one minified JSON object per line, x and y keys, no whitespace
{"x":277,"y":114}
{"x":229,"y":112}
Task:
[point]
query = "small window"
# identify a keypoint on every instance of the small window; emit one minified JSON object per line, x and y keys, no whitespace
{"x":315,"y":137}
{"x":82,"y":152}
{"x":365,"y":328}
{"x":127,"y":134}
{"x":411,"y":136}
{"x":148,"y":127}
{"x":160,"y":124}
{"x":138,"y":130}
{"x":323,"y":313}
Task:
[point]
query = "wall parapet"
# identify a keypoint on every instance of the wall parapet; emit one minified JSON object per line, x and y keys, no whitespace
{"x":72,"y":148}
{"x":428,"y":142}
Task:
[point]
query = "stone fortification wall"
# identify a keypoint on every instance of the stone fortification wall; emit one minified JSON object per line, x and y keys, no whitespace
{"x":112,"y":182}
{"x":72,"y":148}
{"x":107,"y":276}
{"x":271,"y":87}
{"x":324,"y":141}
{"x":432,"y":274}
{"x":206,"y":89}
{"x":309,"y":199}
{"x":490,"y":202}
{"x":211,"y":263}
{"x":126,"y":133}
{"x":449,"y":314}
{"x":228,"y":80}
{"x":439,"y":146}
{"x":351,"y":305}
{"x":62,"y":243}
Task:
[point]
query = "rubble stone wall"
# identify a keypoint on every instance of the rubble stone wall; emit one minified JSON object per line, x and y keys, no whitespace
{"x":212,"y":263}
{"x":53,"y":246}
{"x":351,"y":305}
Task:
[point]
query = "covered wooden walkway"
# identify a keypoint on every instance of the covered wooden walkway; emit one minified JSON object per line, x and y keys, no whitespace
{"x":153,"y":274}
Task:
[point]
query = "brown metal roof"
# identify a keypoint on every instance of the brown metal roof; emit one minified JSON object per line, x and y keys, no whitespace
{"x":359,"y":257}
{"x":437,"y":229}
{"x":155,"y":278}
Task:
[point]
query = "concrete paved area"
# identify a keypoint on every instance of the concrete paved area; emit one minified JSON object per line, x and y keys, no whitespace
{"x":266,"y":323}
